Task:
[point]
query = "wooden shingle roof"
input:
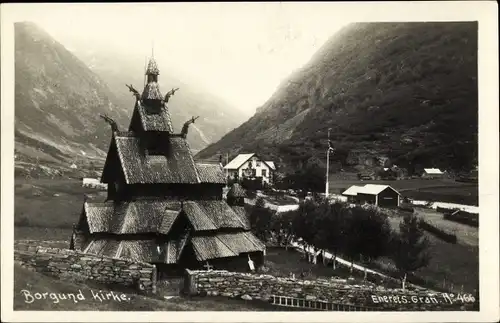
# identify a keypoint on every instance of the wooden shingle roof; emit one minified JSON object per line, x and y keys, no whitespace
{"x":212,"y":215}
{"x":207,"y":218}
{"x":152,"y":67}
{"x":158,"y":216}
{"x":225,"y":245}
{"x":153,"y":120}
{"x":152,"y":92}
{"x":236,"y":190}
{"x":176,"y":167}
{"x":155,"y":216}
{"x":211,"y":173}
{"x":137,"y":250}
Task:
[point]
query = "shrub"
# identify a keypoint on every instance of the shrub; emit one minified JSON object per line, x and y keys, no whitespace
{"x":440,"y":233}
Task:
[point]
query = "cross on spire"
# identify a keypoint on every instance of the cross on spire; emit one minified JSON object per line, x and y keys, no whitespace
{"x":208,"y":266}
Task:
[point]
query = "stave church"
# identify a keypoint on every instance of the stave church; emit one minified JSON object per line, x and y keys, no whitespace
{"x":162,"y":207}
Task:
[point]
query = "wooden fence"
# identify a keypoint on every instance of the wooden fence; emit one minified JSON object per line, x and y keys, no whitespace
{"x":315,"y":305}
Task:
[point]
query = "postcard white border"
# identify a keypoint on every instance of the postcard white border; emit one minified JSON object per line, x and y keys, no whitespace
{"x":485,"y":12}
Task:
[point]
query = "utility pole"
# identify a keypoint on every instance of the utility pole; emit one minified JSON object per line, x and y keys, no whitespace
{"x":328,"y":165}
{"x":227,"y":171}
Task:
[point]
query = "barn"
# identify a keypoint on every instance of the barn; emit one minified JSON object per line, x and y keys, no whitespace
{"x":379,"y":195}
{"x":432,"y":173}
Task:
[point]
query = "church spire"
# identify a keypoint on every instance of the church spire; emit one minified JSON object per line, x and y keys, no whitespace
{"x":151,"y":93}
{"x":152,"y":70}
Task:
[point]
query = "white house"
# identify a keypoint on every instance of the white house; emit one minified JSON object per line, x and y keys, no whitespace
{"x":250,"y":165}
{"x":93,"y":183}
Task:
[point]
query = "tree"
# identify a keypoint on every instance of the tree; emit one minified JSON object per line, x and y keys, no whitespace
{"x":303,"y":222}
{"x":367,"y":234}
{"x":261,"y":219}
{"x":377,"y":235}
{"x":330,"y":226}
{"x":410,"y":247}
{"x":282,"y":225}
{"x":354,"y":234}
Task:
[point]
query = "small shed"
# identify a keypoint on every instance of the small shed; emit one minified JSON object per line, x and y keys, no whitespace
{"x":379,"y":195}
{"x":431,"y":173}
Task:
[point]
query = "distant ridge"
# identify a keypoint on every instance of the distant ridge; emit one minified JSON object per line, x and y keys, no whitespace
{"x":403,"y":91}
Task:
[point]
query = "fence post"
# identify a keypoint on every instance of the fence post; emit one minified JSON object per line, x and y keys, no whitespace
{"x":190,"y":287}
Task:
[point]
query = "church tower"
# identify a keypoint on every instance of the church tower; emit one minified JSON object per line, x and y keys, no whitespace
{"x":151,"y":95}
{"x":163,"y":207}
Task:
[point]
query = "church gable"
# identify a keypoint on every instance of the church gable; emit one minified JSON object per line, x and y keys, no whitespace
{"x":176,"y":166}
{"x":112,"y":171}
{"x":154,"y":119}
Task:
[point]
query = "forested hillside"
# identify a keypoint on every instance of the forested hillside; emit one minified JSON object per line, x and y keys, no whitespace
{"x":404,"y":91}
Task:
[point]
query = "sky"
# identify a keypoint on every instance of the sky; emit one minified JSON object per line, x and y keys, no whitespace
{"x":237,"y":51}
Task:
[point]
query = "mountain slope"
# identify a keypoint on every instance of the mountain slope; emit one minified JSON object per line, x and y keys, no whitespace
{"x":216,"y":116}
{"x":406,"y":91}
{"x":57,"y":102}
{"x":58,"y":99}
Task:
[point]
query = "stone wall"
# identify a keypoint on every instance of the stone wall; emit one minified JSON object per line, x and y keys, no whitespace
{"x":68,"y":263}
{"x":262,"y":287}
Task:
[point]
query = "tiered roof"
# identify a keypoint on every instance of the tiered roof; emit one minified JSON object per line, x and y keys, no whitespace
{"x":151,"y":119}
{"x":151,"y":153}
{"x":206,"y":218}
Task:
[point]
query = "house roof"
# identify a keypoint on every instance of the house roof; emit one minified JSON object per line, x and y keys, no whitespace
{"x":271,"y":164}
{"x":238,"y":161}
{"x":371,"y":189}
{"x":352,"y":191}
{"x":434,"y":171}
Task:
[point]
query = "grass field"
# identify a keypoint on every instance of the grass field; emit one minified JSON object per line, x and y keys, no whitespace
{"x":281,"y":262}
{"x":47,"y":208}
{"x":436,"y":190}
{"x":38,"y":283}
{"x":451,"y":265}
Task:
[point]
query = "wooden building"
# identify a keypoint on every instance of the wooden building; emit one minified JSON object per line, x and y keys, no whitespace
{"x":432,"y":173}
{"x":251,"y":166}
{"x":379,"y":195}
{"x":162,"y":207}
